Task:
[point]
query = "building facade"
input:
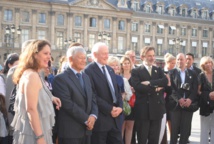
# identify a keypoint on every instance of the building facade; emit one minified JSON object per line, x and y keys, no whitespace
{"x":170,"y":26}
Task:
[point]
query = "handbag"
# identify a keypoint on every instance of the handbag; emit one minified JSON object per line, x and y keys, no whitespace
{"x":132,"y":100}
{"x":126,"y":108}
{"x":171,"y":102}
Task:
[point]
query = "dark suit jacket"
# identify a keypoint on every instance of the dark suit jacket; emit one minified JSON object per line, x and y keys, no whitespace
{"x":190,"y":77}
{"x":149,"y":104}
{"x":77,"y":104}
{"x":103,"y":95}
{"x":196,"y":70}
{"x":205,"y":103}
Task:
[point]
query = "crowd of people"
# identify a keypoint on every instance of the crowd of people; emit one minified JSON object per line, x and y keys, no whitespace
{"x":82,"y":103}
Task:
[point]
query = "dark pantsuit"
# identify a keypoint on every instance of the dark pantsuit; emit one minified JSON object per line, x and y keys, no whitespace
{"x":180,"y":121}
{"x":148,"y":130}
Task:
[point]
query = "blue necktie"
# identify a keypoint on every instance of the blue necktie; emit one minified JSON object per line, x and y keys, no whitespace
{"x":79,"y":76}
{"x":110,"y":87}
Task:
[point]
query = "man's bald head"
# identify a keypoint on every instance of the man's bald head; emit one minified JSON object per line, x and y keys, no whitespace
{"x":181,"y":61}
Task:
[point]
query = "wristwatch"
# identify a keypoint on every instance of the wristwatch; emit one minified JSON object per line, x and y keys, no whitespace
{"x":39,"y":136}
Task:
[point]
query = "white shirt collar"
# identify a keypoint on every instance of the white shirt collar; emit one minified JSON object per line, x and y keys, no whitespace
{"x":146,"y":66}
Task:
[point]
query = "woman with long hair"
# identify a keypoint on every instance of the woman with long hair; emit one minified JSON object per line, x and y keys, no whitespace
{"x":126,"y":67}
{"x":34,"y":113}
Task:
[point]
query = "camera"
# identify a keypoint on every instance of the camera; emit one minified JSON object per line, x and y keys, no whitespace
{"x":185,"y":86}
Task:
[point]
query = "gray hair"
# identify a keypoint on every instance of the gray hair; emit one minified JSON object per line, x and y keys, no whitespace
{"x":96,"y":48}
{"x":113,"y":59}
{"x":73,"y":50}
{"x":26,"y":43}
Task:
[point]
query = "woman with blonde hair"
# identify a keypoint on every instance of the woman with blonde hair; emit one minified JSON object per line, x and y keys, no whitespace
{"x":170,"y":62}
{"x":34,"y":113}
{"x":206,"y":99}
{"x":126,"y":67}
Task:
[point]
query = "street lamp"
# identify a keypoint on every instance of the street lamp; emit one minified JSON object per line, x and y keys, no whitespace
{"x":103,"y":36}
{"x":67,"y":42}
{"x":10,"y":35}
{"x":177,"y":42}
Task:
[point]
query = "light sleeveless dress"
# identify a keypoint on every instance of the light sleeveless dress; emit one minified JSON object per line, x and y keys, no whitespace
{"x":23,"y":133}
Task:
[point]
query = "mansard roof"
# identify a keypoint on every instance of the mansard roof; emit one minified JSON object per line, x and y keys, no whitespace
{"x":191,"y":4}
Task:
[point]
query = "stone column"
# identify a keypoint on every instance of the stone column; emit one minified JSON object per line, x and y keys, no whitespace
{"x":199,"y":42}
{"x":100,"y":23}
{"x":69,"y":26}
{"x":140,"y":40}
{"x":52,"y":26}
{"x":1,"y":28}
{"x":189,"y":44}
{"x":114,"y":33}
{"x":210,"y":46}
{"x":85,"y":30}
{"x":128,"y":39}
{"x":17,"y":38}
{"x":154,"y":30}
{"x":34,"y":23}
{"x":165,"y":40}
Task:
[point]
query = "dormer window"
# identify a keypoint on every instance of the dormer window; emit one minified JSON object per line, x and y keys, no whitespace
{"x":183,"y":12}
{"x":194,"y":14}
{"x":122,"y":2}
{"x":148,"y":8}
{"x":160,"y":9}
{"x":135,"y":5}
{"x":172,"y":12}
{"x":204,"y":14}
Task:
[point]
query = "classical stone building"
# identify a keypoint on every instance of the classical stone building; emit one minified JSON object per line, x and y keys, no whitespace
{"x":169,"y":25}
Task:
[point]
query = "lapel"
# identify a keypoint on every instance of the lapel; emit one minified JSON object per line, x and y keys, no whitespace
{"x":154,"y":72}
{"x":187,"y":76}
{"x":144,"y":72}
{"x":98,"y":71}
{"x":112,"y":75}
{"x":87,"y":92}
{"x":75,"y":80}
{"x":177,"y":79}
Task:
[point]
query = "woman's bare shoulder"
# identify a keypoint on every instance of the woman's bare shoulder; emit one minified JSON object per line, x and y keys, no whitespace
{"x":31,"y":75}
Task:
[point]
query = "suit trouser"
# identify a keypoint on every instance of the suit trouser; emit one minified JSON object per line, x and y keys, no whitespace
{"x":148,"y":130}
{"x":207,"y":125}
{"x":181,"y":120}
{"x":84,"y":140}
{"x":113,"y":136}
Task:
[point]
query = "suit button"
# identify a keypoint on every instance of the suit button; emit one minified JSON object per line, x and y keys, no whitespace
{"x":158,"y":102}
{"x":157,"y":93}
{"x":149,"y":94}
{"x":147,"y":102}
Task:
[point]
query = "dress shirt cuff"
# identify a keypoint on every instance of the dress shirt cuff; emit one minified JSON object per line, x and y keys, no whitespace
{"x":94,"y":116}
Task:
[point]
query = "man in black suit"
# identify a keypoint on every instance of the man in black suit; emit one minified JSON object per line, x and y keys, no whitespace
{"x":79,"y":110}
{"x":184,"y":89}
{"x":189,"y":64}
{"x":109,"y":100}
{"x":148,"y":82}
